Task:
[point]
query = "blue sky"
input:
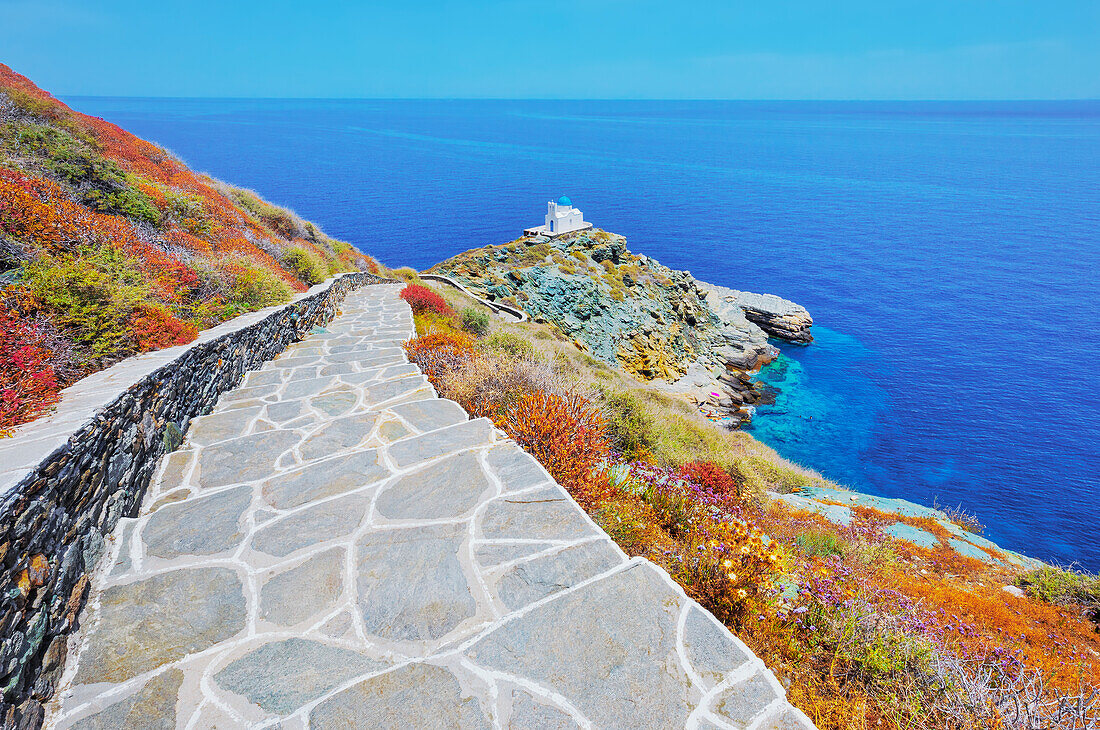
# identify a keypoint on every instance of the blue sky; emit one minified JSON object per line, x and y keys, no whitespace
{"x":727,"y":49}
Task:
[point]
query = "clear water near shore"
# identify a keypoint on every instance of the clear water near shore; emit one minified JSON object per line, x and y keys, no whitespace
{"x":947,"y":251}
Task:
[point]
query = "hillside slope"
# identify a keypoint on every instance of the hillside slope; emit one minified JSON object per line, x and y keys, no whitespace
{"x":110,"y":246}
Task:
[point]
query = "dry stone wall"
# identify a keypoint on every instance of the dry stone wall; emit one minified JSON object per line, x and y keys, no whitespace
{"x":65,"y":482}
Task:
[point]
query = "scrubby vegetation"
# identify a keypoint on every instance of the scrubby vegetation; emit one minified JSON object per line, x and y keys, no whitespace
{"x":110,"y":246}
{"x":865,"y":631}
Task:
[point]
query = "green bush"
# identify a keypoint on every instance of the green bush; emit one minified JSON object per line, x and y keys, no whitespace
{"x":305,"y":264}
{"x":189,"y":212}
{"x":407,"y":273}
{"x":631,"y":428}
{"x":510,"y":344}
{"x":91,"y":295}
{"x":821,"y":543}
{"x":256,"y":287}
{"x":475,"y":321}
{"x":1060,"y":586}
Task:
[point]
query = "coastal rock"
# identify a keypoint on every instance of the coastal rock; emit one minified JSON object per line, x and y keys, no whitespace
{"x":776,"y":316}
{"x":659,"y":324}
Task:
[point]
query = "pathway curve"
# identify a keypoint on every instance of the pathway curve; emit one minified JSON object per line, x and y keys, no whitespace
{"x":335,"y":547}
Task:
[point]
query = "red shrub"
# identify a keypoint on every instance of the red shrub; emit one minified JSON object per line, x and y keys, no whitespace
{"x":566,"y":434}
{"x":28,"y":386}
{"x":154,"y":327}
{"x":422,"y":299}
{"x":710,"y":477}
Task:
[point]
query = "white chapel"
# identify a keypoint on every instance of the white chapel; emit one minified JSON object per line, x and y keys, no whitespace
{"x":561,"y":217}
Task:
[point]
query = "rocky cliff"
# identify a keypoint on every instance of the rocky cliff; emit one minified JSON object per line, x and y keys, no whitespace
{"x":628,"y":309}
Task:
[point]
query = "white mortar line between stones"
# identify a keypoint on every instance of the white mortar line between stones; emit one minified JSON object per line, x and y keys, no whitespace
{"x":553,"y":698}
{"x":740,"y":674}
{"x":681,"y":650}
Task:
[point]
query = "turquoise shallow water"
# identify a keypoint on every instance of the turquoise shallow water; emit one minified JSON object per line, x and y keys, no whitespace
{"x":827,"y":393}
{"x":947,"y":251}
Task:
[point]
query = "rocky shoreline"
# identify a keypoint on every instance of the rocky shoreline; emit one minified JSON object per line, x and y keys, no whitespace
{"x":662,"y":325}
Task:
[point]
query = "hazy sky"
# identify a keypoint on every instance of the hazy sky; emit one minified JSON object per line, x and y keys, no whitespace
{"x":763,"y":49}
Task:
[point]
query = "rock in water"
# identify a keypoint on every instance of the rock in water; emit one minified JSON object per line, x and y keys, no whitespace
{"x":778,"y":317}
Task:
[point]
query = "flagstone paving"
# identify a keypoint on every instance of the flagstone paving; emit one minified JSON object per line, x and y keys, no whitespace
{"x":336,"y":547}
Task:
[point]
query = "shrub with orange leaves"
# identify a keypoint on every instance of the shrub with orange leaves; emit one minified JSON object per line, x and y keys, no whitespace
{"x":28,"y":386}
{"x":154,"y":328}
{"x":566,"y":433}
{"x":422,"y":299}
{"x":439,"y":353}
{"x":710,"y":477}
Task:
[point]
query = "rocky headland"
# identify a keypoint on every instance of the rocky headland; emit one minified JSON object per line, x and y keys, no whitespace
{"x":659,"y":324}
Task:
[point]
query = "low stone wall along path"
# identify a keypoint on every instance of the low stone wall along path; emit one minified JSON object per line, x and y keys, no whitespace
{"x":336,"y":547}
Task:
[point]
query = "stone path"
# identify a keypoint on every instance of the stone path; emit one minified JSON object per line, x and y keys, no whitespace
{"x":335,"y":547}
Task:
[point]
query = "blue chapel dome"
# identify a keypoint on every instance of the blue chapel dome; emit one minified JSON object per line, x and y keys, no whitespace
{"x":564,"y":200}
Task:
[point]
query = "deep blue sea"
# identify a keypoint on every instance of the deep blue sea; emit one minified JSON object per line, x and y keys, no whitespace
{"x":949,"y":253}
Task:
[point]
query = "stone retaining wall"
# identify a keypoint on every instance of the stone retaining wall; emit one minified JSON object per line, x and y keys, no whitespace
{"x":65,"y":480}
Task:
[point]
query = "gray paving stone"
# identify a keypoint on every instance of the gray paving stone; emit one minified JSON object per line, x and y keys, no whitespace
{"x":282,"y":676}
{"x":339,"y":435}
{"x":199,"y":526}
{"x":175,"y":468}
{"x":285,"y":411}
{"x":124,"y":531}
{"x":304,"y":591}
{"x":710,"y":649}
{"x":337,"y":402}
{"x":745,"y":700}
{"x":153,"y":707}
{"x":491,"y":554}
{"x":413,"y":696}
{"x":262,"y":377}
{"x":535,"y":579}
{"x":150,"y":622}
{"x":324,"y":479}
{"x":617,"y":666}
{"x":243,"y":459}
{"x":411,"y":584}
{"x":542,"y":514}
{"x":439,"y":443}
{"x":325,"y":521}
{"x":452,"y":487}
{"x":305,"y":388}
{"x":221,"y":426}
{"x":429,"y":415}
{"x":376,"y":394}
{"x":392,"y":431}
{"x":515,"y":467}
{"x":527,"y":714}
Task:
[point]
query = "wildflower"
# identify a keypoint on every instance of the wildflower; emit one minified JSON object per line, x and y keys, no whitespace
{"x":742,"y":593}
{"x":744,"y":549}
{"x":727,"y":563}
{"x":732,"y":577}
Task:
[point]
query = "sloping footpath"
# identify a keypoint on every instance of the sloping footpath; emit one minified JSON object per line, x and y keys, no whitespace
{"x":335,"y":546}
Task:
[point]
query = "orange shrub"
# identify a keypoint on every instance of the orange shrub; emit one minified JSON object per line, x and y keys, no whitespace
{"x":436,"y":354}
{"x":154,"y":327}
{"x":566,"y":434}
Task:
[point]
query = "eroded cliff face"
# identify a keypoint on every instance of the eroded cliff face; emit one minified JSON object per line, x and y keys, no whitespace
{"x":629,"y":310}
